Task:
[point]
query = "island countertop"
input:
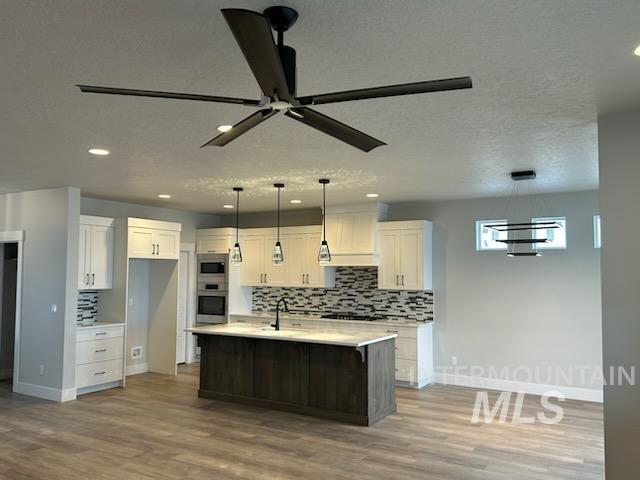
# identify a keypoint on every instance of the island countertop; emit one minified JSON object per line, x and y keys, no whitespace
{"x":349,"y":339}
{"x":317,"y":317}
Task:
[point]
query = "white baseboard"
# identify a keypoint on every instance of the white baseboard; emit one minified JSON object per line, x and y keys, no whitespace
{"x":98,"y":388}
{"x":136,"y":369}
{"x":571,"y":393}
{"x":47,"y":393}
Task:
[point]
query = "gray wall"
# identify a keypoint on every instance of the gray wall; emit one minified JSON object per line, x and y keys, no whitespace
{"x":50,"y":219}
{"x":288,"y":218}
{"x":190,"y":221}
{"x":619,"y":145}
{"x":496,"y":311}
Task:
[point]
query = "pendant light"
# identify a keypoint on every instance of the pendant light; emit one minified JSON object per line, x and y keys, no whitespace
{"x":236,"y":254}
{"x":277,"y":257}
{"x":324,"y":256}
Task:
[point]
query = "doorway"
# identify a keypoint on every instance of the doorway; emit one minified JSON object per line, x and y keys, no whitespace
{"x":10,"y":295}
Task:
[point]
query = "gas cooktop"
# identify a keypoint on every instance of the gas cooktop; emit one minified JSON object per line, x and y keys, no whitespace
{"x":352,"y":316}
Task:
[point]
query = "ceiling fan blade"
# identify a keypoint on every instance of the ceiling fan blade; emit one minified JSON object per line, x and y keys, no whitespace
{"x":388,"y":91}
{"x":335,"y":128}
{"x":177,"y":96}
{"x":252,"y":31}
{"x":241,"y":127}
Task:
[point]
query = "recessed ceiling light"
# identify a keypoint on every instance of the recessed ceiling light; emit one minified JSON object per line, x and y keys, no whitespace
{"x":164,"y":195}
{"x":372,"y":195}
{"x":99,"y":151}
{"x":637,"y":51}
{"x":225,"y":128}
{"x":295,"y":201}
{"x":227,"y":206}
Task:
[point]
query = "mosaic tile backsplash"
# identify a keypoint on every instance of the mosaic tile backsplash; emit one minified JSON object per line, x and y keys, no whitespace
{"x":87,"y":306}
{"x":356,"y":290}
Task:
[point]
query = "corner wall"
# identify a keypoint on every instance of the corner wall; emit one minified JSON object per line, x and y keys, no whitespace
{"x":50,"y":220}
{"x":619,"y":156}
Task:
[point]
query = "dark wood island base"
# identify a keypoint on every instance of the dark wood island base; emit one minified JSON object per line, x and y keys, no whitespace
{"x":354,"y":385}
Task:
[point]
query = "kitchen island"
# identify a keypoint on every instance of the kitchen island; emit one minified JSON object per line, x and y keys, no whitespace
{"x":341,"y":376}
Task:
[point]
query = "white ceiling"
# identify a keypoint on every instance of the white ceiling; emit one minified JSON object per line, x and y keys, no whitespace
{"x":542,"y":69}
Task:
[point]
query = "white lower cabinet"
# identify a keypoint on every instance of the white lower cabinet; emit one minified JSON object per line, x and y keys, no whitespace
{"x":93,"y":374}
{"x":99,"y":357}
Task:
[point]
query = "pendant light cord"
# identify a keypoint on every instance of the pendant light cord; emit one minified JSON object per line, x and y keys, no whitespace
{"x":278,"y":213}
{"x":324,"y":211}
{"x":238,"y":216}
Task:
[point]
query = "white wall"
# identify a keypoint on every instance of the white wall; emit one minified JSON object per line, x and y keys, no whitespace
{"x":496,"y":311}
{"x":619,"y":145}
{"x":50,"y":219}
{"x":190,"y":221}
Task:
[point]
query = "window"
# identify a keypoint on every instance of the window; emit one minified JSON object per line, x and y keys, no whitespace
{"x":556,"y":237}
{"x":487,"y":238}
{"x":597,"y":232}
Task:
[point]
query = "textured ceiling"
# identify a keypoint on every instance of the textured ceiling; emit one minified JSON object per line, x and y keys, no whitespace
{"x":542,"y":70}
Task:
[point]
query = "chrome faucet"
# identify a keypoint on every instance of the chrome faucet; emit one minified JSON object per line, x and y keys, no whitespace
{"x":286,"y":309}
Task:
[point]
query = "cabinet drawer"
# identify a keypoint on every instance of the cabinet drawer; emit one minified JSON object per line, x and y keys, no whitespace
{"x":86,"y":334}
{"x":406,"y":348}
{"x":99,"y":350}
{"x":97,"y":373}
{"x":406,"y":370}
{"x":403,"y":332}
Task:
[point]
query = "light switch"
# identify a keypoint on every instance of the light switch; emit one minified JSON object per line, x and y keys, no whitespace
{"x":54,"y":308}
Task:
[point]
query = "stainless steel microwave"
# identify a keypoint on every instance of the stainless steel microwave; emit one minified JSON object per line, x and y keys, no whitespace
{"x":212,"y":270}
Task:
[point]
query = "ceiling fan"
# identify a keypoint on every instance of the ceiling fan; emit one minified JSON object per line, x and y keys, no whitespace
{"x":274,"y":67}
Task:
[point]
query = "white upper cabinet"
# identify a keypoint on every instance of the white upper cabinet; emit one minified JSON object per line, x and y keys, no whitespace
{"x":95,"y":267}
{"x":153,"y":239}
{"x":300,"y":250}
{"x":405,"y":255}
{"x":215,"y":240}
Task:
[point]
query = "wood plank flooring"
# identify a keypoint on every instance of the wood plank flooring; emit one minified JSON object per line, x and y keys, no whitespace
{"x":158,"y":429}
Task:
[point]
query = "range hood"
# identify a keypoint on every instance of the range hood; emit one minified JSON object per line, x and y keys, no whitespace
{"x":352,"y":234}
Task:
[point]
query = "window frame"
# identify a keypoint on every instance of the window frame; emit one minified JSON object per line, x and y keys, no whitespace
{"x":478,"y":225}
{"x":597,"y":231}
{"x":542,"y":246}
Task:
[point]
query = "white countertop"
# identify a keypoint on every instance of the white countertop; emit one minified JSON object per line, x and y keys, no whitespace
{"x":387,"y":322}
{"x":355,"y":339}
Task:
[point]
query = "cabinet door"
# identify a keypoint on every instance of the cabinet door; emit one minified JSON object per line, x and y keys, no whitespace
{"x":389,"y":269}
{"x":101,"y":257}
{"x":411,"y":260}
{"x":84,"y":260}
{"x":295,"y":257}
{"x":275,"y":276}
{"x":251,"y":270}
{"x":167,"y":244}
{"x":316,"y":273}
{"x":213,"y":245}
{"x":141,"y":242}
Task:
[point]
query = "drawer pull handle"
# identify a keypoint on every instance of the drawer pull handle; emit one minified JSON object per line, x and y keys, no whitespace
{"x":296,"y":324}
{"x":396,"y":369}
{"x":101,"y":333}
{"x":104,"y":350}
{"x":392,"y":331}
{"x":100,"y":373}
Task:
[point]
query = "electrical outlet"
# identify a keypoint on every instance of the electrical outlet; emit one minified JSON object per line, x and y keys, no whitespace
{"x":41,"y":369}
{"x":131,"y":301}
{"x":454,"y":360}
{"x":136,"y":352}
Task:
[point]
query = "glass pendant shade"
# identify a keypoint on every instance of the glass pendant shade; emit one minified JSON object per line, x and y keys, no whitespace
{"x":324,"y":256}
{"x":236,"y":255}
{"x":277,"y":257}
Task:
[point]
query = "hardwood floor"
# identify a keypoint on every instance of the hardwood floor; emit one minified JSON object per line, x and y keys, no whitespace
{"x":157,"y":428}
